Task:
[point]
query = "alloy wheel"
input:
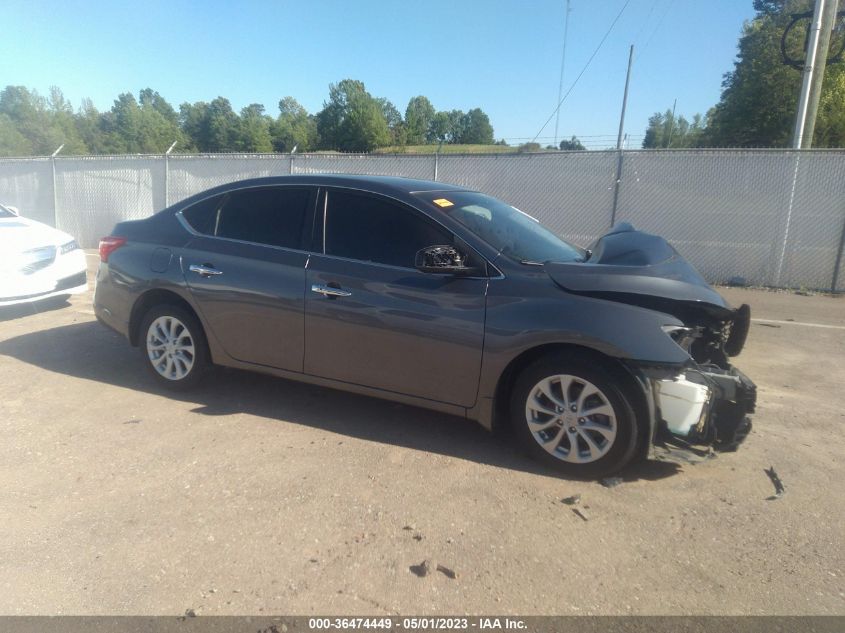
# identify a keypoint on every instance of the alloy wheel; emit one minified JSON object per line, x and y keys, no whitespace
{"x":571,"y":419}
{"x":170,"y":348}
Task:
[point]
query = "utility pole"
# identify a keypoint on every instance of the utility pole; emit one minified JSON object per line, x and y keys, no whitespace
{"x":828,"y":21}
{"x":562,"y":62}
{"x":810,"y":62}
{"x":625,"y":98}
{"x":619,"y":140}
{"x":672,"y":124}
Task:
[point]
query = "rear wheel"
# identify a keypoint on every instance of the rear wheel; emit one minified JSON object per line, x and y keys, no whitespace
{"x":174,"y":346}
{"x":571,"y":414}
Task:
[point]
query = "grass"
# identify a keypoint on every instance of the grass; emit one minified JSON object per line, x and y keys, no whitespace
{"x":446,"y":149}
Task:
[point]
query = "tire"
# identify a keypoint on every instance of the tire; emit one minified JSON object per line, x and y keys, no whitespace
{"x":173,"y":346}
{"x":602,"y":425}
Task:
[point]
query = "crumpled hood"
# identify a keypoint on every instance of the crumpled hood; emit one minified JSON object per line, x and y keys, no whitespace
{"x":630,"y":266}
{"x":22,"y":234}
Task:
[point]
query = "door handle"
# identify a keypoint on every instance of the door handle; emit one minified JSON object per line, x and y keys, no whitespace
{"x":328,"y":291}
{"x":204,"y":270}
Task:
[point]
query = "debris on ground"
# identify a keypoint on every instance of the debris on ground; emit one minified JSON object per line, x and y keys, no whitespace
{"x":410,"y":527}
{"x":737,"y":282}
{"x":418,"y":537}
{"x":610,"y":482}
{"x":580,"y":514}
{"x":447,"y":572}
{"x":422,"y":570}
{"x":779,"y":487}
{"x":574,"y":500}
{"x":189,"y":613}
{"x":764,"y":324}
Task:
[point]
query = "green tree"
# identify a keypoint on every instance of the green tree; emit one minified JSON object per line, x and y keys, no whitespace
{"x":418,"y":118}
{"x":447,"y":127}
{"x":395,"y":124}
{"x":666,"y":130}
{"x":255,"y":129}
{"x":830,"y":125}
{"x":571,"y":145}
{"x":352,"y":120}
{"x":148,"y":125}
{"x":41,"y":122}
{"x":760,"y":96}
{"x":193,"y":119}
{"x":294,"y":128}
{"x":475,"y":128}
{"x":212,"y":127}
{"x":12,"y":142}
{"x":63,"y":123}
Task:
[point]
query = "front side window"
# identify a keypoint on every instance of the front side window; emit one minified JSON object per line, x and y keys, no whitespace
{"x":263,"y":215}
{"x":371,"y":229}
{"x":507,"y":229}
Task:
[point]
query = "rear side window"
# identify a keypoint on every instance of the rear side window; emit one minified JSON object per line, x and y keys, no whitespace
{"x":202,"y":215}
{"x":265,"y":215}
{"x":376,"y":230}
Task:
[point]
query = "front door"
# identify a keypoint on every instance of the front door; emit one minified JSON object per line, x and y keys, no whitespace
{"x":373,"y":319}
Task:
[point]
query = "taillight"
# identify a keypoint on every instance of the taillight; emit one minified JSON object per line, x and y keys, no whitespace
{"x":109,"y":245}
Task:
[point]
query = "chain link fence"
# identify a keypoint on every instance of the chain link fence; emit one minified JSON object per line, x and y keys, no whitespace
{"x":773,"y":217}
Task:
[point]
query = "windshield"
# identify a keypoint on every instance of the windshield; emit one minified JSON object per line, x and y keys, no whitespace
{"x":507,"y":229}
{"x":6,"y":213}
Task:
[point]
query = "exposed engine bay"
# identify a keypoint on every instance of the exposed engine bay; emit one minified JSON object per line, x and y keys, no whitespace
{"x":705,"y":403}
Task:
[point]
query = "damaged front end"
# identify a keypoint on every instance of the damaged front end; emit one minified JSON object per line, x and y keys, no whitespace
{"x":707,"y":401}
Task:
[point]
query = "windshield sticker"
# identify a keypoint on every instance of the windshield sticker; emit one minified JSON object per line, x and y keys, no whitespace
{"x":443,"y":202}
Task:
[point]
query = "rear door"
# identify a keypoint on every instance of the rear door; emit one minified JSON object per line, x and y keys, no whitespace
{"x":246,"y":271}
{"x":373,"y":319}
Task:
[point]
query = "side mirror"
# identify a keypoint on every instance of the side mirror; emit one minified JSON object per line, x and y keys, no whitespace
{"x":443,"y":260}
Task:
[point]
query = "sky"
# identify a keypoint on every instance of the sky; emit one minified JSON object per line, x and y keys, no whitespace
{"x":503,"y":56}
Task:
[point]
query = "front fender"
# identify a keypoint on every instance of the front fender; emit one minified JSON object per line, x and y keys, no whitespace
{"x":546,"y":315}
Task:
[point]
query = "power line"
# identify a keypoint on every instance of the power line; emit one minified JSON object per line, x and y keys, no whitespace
{"x":656,"y":28}
{"x":562,"y":62}
{"x":583,"y":70}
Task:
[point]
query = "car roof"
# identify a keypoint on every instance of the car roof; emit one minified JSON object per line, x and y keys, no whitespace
{"x":377,"y":184}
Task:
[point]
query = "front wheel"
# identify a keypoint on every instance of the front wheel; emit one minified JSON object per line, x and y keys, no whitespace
{"x":572,"y":415}
{"x":174,"y":346}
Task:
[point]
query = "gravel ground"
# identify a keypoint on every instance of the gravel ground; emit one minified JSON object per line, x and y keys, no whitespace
{"x":255,"y":495}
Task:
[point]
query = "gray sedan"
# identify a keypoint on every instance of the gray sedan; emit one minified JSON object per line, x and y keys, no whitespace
{"x":440,"y":297}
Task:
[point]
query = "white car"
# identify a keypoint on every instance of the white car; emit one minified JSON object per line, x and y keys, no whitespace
{"x":37,"y":261}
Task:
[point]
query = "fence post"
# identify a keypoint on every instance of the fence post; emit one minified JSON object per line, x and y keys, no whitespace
{"x":55,"y":196}
{"x":167,"y":174}
{"x":436,"y":157}
{"x":290,"y":164}
{"x":782,"y":258}
{"x":166,"y":181}
{"x":836,"y":267}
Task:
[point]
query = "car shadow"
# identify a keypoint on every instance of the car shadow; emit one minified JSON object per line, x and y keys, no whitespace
{"x":30,"y":308}
{"x":92,"y":352}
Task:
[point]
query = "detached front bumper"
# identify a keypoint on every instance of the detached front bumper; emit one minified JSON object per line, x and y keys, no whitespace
{"x":701,"y":406}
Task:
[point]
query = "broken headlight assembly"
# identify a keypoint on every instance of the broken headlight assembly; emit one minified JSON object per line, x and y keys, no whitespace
{"x":682,"y":335}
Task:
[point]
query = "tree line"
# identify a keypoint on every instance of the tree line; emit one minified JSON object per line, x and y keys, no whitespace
{"x":760,"y":95}
{"x":351,"y":120}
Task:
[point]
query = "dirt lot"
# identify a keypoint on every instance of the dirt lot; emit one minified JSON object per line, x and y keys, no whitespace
{"x":257,"y":495}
